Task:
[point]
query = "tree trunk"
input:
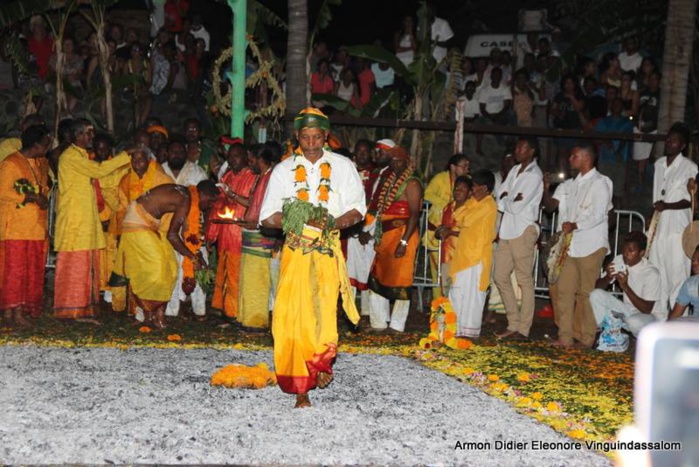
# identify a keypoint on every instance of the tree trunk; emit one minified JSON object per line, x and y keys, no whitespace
{"x":679,"y":38}
{"x":296,"y":78}
{"x":61,"y":101}
{"x":103,"y":51}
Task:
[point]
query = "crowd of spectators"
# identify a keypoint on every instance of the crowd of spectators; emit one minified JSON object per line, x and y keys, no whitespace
{"x":170,"y":63}
{"x":615,"y":92}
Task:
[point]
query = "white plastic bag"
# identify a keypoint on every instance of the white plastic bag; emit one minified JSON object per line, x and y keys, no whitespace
{"x":612,"y":339}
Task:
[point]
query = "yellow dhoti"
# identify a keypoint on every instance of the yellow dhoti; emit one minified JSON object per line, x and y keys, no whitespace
{"x":146,"y":257}
{"x":255,"y":279}
{"x":304,"y":322}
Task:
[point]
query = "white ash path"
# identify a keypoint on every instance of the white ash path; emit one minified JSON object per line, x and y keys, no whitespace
{"x":148,"y":406}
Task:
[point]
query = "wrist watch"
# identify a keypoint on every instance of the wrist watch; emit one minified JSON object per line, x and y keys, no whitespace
{"x":403,"y":242}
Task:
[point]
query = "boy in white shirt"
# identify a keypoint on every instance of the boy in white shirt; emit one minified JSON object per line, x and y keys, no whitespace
{"x":638,"y":279}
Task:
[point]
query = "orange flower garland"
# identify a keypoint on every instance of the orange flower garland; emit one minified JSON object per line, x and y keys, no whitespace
{"x":241,"y":376}
{"x":300,"y":174}
{"x":138,"y":186}
{"x":192,"y":239}
{"x":443,"y":327}
{"x":301,"y":179}
{"x":324,"y":187}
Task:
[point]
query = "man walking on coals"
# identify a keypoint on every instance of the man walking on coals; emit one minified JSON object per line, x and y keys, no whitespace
{"x":311,"y":196}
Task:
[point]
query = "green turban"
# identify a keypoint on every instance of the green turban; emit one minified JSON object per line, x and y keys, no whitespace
{"x":311,"y":117}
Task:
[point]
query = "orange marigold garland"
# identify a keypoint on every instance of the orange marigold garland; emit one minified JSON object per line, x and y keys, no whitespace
{"x":301,"y":180}
{"x":241,"y":376}
{"x":443,"y":327}
{"x":298,"y":212}
{"x":324,"y":186}
{"x":138,"y":186}
{"x":192,"y":240}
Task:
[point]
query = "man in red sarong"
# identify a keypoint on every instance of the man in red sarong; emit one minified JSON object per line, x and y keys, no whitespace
{"x":237,"y":184}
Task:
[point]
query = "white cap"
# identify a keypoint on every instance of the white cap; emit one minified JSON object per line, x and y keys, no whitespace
{"x":385,"y":144}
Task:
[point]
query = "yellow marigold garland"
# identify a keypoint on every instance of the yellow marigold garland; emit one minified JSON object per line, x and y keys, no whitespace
{"x":241,"y":376}
{"x":443,"y":327}
{"x":24,"y":186}
{"x":192,"y":239}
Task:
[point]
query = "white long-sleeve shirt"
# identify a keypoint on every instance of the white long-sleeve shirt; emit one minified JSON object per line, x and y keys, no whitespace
{"x":518,"y":215}
{"x":190,"y":174}
{"x":670,"y":185}
{"x":562,"y":194}
{"x":346,"y":188}
{"x":590,"y":202}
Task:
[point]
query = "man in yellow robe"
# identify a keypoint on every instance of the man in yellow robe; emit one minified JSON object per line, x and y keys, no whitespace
{"x":146,"y":256}
{"x":473,"y":256}
{"x":313,"y":269}
{"x":79,"y":235}
{"x":144,"y":175}
{"x":107,"y":194}
{"x":439,"y":194}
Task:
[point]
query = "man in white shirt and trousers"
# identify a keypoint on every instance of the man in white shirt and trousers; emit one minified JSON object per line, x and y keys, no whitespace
{"x":518,"y":199}
{"x":184,"y":173}
{"x":585,"y":219}
{"x":672,"y":205}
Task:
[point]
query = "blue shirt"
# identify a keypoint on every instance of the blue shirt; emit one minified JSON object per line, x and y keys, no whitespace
{"x":689,"y":293}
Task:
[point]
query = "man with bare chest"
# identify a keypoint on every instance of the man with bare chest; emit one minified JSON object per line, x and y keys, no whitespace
{"x":161,"y":221}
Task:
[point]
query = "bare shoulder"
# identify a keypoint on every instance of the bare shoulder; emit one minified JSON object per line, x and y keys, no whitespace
{"x":414,"y":184}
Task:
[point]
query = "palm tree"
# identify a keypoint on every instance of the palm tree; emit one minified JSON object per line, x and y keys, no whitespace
{"x":296,"y":79}
{"x":679,"y":38}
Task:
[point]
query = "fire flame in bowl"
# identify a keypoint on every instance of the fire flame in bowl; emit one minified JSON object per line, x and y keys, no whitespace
{"x":227,"y":213}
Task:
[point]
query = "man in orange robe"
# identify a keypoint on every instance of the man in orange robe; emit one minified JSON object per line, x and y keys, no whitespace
{"x":396,"y":207}
{"x":237,"y":184}
{"x":23,"y":227}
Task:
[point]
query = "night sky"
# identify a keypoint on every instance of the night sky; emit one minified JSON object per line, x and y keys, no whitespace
{"x":364,"y":21}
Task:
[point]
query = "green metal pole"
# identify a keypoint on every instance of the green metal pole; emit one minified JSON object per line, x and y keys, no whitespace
{"x":237,"y":75}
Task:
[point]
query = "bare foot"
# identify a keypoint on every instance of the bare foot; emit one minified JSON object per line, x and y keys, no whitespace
{"x":324,"y":379}
{"x":7,"y":319}
{"x":159,"y":318}
{"x":20,"y":320}
{"x":490,"y":318}
{"x":88,"y":321}
{"x":302,"y":401}
{"x":560,"y":343}
{"x":159,"y":323}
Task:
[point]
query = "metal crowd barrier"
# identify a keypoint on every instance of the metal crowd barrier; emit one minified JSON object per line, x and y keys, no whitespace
{"x":626,"y":221}
{"x":51,"y":256}
{"x":422,"y":278}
